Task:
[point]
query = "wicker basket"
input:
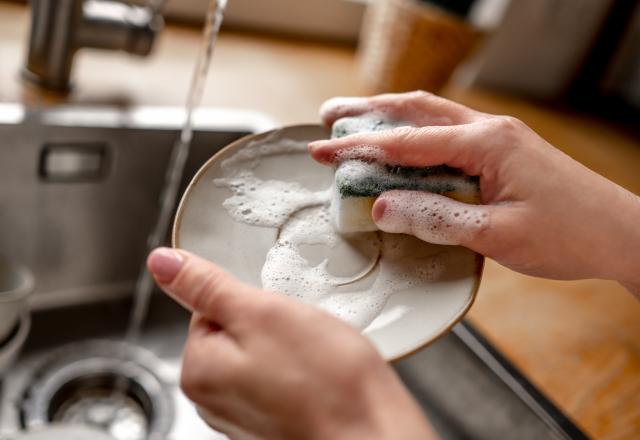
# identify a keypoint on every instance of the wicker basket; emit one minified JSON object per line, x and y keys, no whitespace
{"x":408,"y":45}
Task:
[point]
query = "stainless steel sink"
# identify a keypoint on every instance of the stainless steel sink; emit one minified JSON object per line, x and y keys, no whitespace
{"x":468,"y":390}
{"x":78,"y":191}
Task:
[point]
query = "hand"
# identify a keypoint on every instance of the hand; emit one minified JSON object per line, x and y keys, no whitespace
{"x":261,"y":365}
{"x":542,"y":213}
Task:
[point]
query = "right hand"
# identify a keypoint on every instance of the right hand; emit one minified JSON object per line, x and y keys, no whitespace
{"x":264,"y":366}
{"x":542,"y":213}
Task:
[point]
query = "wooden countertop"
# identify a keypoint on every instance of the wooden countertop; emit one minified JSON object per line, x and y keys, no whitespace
{"x":578,"y":341}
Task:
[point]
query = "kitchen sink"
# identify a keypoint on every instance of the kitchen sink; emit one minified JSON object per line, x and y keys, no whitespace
{"x":79,"y":190}
{"x":468,"y":389}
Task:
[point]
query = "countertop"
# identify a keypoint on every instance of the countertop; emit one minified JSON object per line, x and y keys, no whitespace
{"x":579,"y":342}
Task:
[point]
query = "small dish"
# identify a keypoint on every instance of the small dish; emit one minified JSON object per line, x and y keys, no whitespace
{"x":11,"y":347}
{"x":16,"y":284}
{"x":410,"y":319}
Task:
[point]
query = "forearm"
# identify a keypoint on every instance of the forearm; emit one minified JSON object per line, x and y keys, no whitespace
{"x":402,"y":419}
{"x":624,"y":256}
{"x":388,"y":412}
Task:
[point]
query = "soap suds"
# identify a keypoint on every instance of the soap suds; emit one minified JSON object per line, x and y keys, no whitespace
{"x":365,"y":153}
{"x":303,"y":219}
{"x":286,"y":271}
{"x":267,"y":203}
{"x":431,"y":217}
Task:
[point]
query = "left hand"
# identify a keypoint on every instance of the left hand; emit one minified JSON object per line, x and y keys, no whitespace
{"x":542,"y":213}
{"x":261,"y":365}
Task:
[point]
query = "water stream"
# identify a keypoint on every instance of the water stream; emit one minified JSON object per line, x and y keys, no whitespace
{"x":175,"y":169}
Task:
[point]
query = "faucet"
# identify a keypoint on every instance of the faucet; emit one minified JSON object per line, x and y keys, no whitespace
{"x":60,"y":27}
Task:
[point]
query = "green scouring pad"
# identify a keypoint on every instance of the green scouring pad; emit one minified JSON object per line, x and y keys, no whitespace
{"x":358,"y":183}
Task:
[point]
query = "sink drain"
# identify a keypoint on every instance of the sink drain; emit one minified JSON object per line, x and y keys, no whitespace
{"x":102,"y":384}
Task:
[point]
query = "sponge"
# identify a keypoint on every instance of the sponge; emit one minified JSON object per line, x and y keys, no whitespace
{"x":357,"y":183}
{"x":361,"y":124}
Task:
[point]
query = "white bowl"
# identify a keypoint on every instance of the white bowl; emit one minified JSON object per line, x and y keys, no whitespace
{"x":10,"y":349}
{"x":16,"y":283}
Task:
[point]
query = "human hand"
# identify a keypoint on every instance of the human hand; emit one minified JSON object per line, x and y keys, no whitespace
{"x":264,"y":366}
{"x":542,"y":213}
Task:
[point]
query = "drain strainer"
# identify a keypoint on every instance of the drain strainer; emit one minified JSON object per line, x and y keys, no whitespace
{"x":102,"y":384}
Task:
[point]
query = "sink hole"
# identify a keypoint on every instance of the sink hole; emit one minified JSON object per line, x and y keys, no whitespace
{"x":110,"y":386}
{"x":114,"y":403}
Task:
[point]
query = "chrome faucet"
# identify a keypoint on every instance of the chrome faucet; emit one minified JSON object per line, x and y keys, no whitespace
{"x":60,"y":27}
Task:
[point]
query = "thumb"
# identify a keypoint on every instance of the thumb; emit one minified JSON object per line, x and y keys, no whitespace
{"x":431,"y":217}
{"x":202,"y":286}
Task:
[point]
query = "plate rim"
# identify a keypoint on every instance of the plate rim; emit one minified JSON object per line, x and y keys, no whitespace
{"x":478,"y":272}
{"x":175,"y":238}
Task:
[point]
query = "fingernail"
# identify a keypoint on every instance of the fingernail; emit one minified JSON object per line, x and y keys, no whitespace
{"x":386,"y":216}
{"x":164,"y":264}
{"x":378,"y":209}
{"x":318,"y":144}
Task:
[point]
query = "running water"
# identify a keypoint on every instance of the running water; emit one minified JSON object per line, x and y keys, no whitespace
{"x":175,"y":168}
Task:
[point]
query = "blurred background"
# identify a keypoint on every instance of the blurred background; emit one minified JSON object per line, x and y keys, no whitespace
{"x":584,"y":52}
{"x":568,"y":68}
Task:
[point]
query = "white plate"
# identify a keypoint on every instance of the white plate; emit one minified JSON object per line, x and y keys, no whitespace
{"x":410,"y":319}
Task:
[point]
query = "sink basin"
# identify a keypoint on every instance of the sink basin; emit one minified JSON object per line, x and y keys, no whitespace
{"x":79,"y":190}
{"x":468,"y":390}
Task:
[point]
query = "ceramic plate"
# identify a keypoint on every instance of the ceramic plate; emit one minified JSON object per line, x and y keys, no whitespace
{"x":410,"y":319}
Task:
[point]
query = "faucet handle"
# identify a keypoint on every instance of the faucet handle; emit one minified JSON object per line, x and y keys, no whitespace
{"x":60,"y":27}
{"x":114,"y":25}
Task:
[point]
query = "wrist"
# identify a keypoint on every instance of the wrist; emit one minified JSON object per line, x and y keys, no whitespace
{"x":633,"y":288}
{"x":388,"y":412}
{"x":621,"y":261}
{"x":629,"y":277}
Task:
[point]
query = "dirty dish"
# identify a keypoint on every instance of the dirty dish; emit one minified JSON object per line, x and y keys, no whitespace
{"x":253,"y":208}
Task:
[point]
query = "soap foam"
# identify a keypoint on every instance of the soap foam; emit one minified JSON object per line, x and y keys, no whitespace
{"x":398,"y":270}
{"x":250,"y":156}
{"x":431,"y":217}
{"x":351,"y":172}
{"x":365,"y":153}
{"x":304,"y":220}
{"x":286,"y":271}
{"x":370,"y":122}
{"x":260,"y":202}
{"x":267,"y":202}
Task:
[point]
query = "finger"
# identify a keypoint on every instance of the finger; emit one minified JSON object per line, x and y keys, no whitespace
{"x":204,"y":346}
{"x":432,"y":218}
{"x":460,"y":146}
{"x":209,"y":364}
{"x":200,"y":327}
{"x":420,"y":108}
{"x":202,"y":287}
{"x":221,"y":424}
